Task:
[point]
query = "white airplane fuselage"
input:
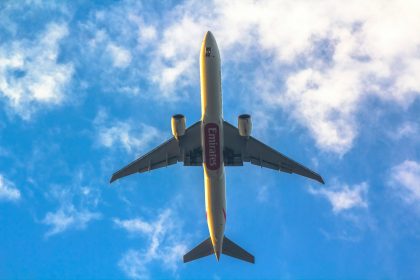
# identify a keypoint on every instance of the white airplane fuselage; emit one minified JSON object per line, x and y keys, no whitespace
{"x":212,"y":140}
{"x":213,"y":136}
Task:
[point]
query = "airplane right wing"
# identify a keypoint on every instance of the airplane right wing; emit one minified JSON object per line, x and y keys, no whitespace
{"x":187,"y":150}
{"x":239,"y":149}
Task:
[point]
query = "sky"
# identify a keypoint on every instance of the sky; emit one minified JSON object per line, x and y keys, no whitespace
{"x":88,"y":86}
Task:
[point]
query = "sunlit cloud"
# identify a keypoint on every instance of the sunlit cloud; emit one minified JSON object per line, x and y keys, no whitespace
{"x":165,"y":244}
{"x":119,"y":134}
{"x":135,"y":226}
{"x":405,"y":130}
{"x":30,"y":75}
{"x":343,"y":53}
{"x":344,"y":197}
{"x":77,"y":204}
{"x":68,"y":217}
{"x":121,"y":57}
{"x":8,"y":191}
{"x":405,"y":179}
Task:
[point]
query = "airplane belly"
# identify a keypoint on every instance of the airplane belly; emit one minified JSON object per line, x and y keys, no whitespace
{"x":214,"y":176}
{"x":212,"y":141}
{"x":215,"y":207}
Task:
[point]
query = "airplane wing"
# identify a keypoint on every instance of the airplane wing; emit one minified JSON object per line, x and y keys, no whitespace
{"x":187,"y":150}
{"x":239,"y":149}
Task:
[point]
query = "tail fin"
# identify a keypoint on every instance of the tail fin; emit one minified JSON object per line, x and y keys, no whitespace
{"x":233,"y":250}
{"x":203,"y":249}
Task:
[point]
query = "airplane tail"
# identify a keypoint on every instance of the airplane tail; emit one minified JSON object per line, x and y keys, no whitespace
{"x":229,"y":248}
{"x":203,"y":249}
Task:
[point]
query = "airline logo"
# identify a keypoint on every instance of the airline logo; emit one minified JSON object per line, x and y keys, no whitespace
{"x":212,"y":146}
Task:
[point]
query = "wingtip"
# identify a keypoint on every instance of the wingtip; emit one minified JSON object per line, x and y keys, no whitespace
{"x":321,"y":180}
{"x":112,"y":179}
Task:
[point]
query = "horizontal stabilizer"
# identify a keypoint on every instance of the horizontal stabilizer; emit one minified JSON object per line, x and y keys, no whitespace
{"x":204,"y":249}
{"x":233,"y":250}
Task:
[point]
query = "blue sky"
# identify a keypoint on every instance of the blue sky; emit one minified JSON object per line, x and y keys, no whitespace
{"x":85,"y":88}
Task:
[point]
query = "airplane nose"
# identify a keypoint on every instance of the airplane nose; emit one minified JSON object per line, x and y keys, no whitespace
{"x":209,"y":38}
{"x":217,"y":255}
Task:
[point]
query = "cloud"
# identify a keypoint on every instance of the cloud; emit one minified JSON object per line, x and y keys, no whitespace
{"x":68,"y":217}
{"x":111,"y":134}
{"x":325,"y":57}
{"x":405,"y":178}
{"x":134,"y":225}
{"x":263,"y":194}
{"x":30,"y":75}
{"x":119,"y":39}
{"x":344,"y":197}
{"x":121,"y":57}
{"x":133,"y":265}
{"x":405,"y":130}
{"x":165,"y":244}
{"x":315,"y":62}
{"x":76,"y":207}
{"x":8,"y":191}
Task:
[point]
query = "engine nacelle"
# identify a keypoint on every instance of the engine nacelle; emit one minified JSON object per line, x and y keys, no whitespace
{"x":178,"y":125}
{"x":245,"y":125}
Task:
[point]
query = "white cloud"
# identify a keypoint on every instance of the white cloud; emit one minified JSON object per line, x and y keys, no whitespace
{"x":405,"y":130}
{"x":147,"y":33}
{"x":111,"y":134}
{"x":68,"y":217}
{"x":343,"y":197}
{"x":121,"y":57}
{"x":30,"y":75}
{"x":165,"y":244}
{"x":262,"y":194}
{"x":346,"y":51}
{"x":321,"y":60}
{"x":76,"y":207}
{"x":8,"y":191}
{"x":133,"y":265}
{"x":134,"y":225}
{"x":405,"y":178}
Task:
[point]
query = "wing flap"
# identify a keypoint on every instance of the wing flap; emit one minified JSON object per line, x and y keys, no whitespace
{"x":166,"y":154}
{"x":239,"y":149}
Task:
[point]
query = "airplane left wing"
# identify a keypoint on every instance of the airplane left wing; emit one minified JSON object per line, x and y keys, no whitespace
{"x":239,"y":149}
{"x":187,"y":150}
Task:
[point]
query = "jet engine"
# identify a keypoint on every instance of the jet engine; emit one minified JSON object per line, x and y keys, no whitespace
{"x":178,"y":125}
{"x":244,"y":125}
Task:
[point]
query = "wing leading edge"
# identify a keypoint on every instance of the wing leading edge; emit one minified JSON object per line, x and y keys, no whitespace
{"x":187,"y":150}
{"x":240,"y":149}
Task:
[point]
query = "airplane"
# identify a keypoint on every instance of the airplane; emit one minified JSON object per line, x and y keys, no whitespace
{"x":213,"y":144}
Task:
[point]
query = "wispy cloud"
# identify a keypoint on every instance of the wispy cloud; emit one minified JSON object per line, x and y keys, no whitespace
{"x":8,"y":191}
{"x":344,"y":197}
{"x":30,"y":75}
{"x":121,"y":57}
{"x":114,"y":134}
{"x":405,"y":130}
{"x":165,"y":244}
{"x":338,"y":57}
{"x":135,"y":226}
{"x":77,"y":204}
{"x":405,"y":179}
{"x":68,"y":217}
{"x":263,"y":193}
{"x":319,"y":73}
